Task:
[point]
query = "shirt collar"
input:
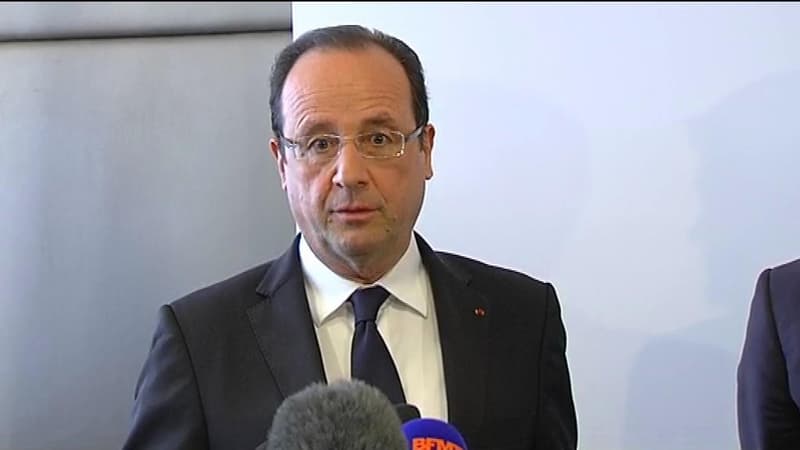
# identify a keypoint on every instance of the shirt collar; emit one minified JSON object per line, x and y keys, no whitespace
{"x":328,"y":291}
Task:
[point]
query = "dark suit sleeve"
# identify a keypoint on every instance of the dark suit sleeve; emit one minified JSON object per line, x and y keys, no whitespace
{"x":768,"y":418}
{"x":167,"y":412}
{"x":557,"y":427}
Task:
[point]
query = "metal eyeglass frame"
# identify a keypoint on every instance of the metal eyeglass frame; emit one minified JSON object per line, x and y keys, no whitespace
{"x":293,"y":144}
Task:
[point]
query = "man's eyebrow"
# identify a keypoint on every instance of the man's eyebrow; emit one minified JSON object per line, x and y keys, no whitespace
{"x":311,"y":128}
{"x":380,"y":120}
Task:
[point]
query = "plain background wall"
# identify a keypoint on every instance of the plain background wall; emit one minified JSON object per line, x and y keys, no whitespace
{"x":644,"y":158}
{"x":132,"y":171}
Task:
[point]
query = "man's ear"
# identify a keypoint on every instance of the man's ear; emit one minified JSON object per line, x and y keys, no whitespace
{"x":426,"y":141}
{"x":280,"y":159}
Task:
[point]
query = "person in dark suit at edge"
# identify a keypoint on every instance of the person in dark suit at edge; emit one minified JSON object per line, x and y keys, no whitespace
{"x":768,"y":379}
{"x":358,"y":293}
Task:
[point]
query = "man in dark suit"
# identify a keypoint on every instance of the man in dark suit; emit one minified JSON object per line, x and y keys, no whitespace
{"x":479,"y":346}
{"x":769,"y":369}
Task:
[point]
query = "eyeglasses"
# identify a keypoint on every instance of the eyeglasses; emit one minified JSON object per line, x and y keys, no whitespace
{"x":378,"y":144}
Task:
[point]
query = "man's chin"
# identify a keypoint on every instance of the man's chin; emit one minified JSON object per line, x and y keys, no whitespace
{"x":361,"y":243}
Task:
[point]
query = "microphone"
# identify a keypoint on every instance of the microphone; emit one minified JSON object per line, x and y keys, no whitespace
{"x":432,"y":434}
{"x":406,"y":412}
{"x":344,"y":415}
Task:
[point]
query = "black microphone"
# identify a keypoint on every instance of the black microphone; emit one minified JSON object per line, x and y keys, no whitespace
{"x":406,"y":412}
{"x":344,"y":415}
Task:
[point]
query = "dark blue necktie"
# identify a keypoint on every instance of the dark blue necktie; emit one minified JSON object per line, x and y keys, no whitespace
{"x":370,"y":360}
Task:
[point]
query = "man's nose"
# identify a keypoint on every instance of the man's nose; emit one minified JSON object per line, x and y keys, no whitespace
{"x":351,"y":168}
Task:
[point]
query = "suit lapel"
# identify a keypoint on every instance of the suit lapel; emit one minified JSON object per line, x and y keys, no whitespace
{"x":283,"y":325}
{"x":463,"y":318}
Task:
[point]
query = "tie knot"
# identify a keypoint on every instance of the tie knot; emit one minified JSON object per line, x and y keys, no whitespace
{"x":366,"y":302}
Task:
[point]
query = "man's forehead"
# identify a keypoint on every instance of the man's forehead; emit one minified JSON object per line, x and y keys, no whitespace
{"x":365,"y":86}
{"x":328,"y":68}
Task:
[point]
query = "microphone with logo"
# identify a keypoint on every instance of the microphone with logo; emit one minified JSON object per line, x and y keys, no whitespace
{"x":344,"y":415}
{"x":432,"y":434}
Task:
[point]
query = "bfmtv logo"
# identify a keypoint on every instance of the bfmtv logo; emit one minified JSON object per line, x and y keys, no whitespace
{"x":422,"y":443}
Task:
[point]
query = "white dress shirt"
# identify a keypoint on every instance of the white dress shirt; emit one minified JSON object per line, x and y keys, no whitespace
{"x":406,"y":321}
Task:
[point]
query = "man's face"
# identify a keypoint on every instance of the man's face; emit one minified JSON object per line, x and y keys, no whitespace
{"x":352,"y":208}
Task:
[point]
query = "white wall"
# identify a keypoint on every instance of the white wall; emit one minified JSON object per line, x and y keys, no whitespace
{"x":644,"y":158}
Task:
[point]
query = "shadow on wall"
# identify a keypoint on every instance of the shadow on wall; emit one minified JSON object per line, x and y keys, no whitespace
{"x":749,"y":188}
{"x":496,"y":140}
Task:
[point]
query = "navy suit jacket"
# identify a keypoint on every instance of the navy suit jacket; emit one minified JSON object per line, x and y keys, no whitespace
{"x":223,"y":358}
{"x":769,"y":370}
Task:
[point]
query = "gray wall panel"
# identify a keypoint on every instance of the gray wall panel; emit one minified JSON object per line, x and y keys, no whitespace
{"x":133,"y":171}
{"x":58,"y":20}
